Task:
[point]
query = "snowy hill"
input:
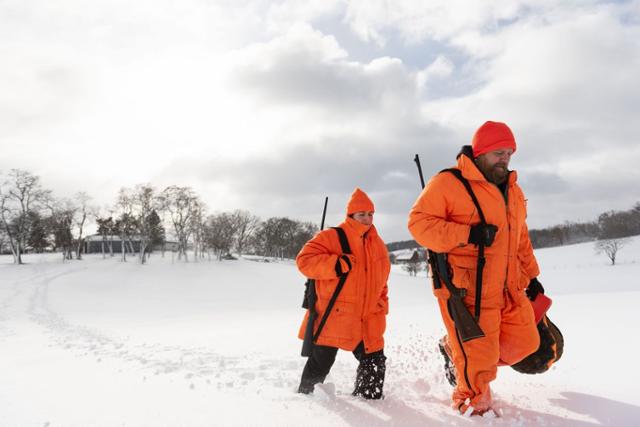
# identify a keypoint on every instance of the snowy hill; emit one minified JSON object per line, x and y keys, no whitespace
{"x":104,"y":343}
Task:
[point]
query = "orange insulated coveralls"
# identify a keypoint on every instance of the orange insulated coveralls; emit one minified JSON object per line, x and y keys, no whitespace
{"x":359,"y":314}
{"x":440,"y":220}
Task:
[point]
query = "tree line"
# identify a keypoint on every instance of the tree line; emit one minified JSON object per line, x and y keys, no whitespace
{"x":32,"y":219}
{"x":609,"y":225}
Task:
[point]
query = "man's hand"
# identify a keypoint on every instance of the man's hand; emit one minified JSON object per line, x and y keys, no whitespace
{"x":534,"y":288}
{"x":484,"y":234}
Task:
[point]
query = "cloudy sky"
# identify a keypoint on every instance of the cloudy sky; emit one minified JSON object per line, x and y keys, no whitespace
{"x":271,"y":105}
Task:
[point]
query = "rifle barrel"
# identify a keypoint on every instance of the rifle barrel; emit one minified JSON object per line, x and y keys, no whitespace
{"x":324,"y":212}
{"x":417,"y":160}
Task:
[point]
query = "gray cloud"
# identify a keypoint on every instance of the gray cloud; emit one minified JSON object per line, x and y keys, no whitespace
{"x":308,"y":68}
{"x":544,"y":183}
{"x":293,"y":181}
{"x":312,"y":118}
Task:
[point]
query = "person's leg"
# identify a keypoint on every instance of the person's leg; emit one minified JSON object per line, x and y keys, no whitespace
{"x":317,"y":367}
{"x":370,"y":373}
{"x":519,"y":335}
{"x":475,"y":361}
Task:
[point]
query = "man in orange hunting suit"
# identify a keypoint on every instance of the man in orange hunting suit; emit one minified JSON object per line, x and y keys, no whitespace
{"x":445,"y":220}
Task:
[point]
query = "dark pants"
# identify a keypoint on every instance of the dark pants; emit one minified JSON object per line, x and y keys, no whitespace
{"x":369,"y":376}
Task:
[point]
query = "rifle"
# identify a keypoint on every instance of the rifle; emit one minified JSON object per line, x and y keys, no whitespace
{"x":309,"y":302}
{"x":466,"y":325}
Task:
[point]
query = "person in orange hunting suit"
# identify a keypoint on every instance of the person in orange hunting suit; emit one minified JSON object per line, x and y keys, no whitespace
{"x":445,"y":219}
{"x":358,"y":319}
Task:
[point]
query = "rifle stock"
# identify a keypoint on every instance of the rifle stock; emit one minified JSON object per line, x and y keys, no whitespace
{"x":310,"y":302}
{"x":466,"y":324}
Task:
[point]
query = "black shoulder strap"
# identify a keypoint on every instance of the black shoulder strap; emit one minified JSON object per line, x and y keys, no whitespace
{"x":458,"y":174}
{"x":344,"y":242}
{"x":346,"y":249}
{"x":481,"y":259}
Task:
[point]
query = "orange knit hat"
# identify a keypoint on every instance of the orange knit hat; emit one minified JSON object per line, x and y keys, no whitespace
{"x":359,"y":202}
{"x":492,"y":136}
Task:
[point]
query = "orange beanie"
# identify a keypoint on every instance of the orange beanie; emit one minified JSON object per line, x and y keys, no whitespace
{"x":492,"y":136}
{"x":359,"y":202}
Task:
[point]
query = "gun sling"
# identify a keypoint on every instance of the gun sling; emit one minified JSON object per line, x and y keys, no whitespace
{"x":481,"y":259}
{"x":346,"y":249}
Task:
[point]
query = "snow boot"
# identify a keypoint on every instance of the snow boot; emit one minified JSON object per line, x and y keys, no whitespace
{"x":306,"y":387}
{"x":370,"y":377}
{"x":317,"y":367}
{"x":449,"y":368}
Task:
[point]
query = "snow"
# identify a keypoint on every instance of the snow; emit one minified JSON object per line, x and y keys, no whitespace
{"x":99,"y":342}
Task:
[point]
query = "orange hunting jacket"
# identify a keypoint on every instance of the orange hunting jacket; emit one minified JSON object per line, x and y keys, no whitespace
{"x":360,"y":311}
{"x":443,"y":215}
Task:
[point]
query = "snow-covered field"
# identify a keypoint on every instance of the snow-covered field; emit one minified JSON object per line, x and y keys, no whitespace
{"x":99,"y":342}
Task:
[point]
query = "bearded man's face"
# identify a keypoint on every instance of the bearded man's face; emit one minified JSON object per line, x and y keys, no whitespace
{"x":495,"y":164}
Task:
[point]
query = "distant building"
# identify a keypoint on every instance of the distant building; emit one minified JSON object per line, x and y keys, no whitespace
{"x":405,"y":256}
{"x":93,"y":244}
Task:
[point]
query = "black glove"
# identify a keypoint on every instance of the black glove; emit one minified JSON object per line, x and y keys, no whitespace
{"x":344,"y":264}
{"x":485,"y":234}
{"x":534,"y":288}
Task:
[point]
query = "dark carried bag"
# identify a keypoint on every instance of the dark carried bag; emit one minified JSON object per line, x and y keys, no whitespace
{"x":549,"y":352}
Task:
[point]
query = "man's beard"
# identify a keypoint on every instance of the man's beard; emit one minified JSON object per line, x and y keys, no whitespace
{"x":496,"y":174}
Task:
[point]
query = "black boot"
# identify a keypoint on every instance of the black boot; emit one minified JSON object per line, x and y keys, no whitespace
{"x":306,"y":387}
{"x":449,"y":368}
{"x":370,"y":376}
{"x":317,"y":367}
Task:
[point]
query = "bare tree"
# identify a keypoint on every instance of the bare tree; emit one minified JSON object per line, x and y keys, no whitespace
{"x":282,"y":237}
{"x":83,"y":211}
{"x":105,"y":229}
{"x":144,"y":203}
{"x":125,"y":224}
{"x":61,"y":220}
{"x":181,"y":203}
{"x":246,"y":225}
{"x":220,"y":232}
{"x":610,"y":247}
{"x":3,"y":239}
{"x":198,"y":229}
{"x":103,"y":217}
{"x":20,"y":196}
{"x":39,"y":233}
